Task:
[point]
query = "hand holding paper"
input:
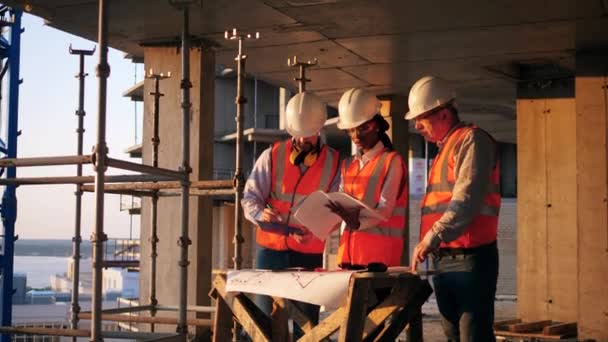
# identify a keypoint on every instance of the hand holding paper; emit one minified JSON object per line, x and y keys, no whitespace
{"x":349,"y":215}
{"x":315,"y":212}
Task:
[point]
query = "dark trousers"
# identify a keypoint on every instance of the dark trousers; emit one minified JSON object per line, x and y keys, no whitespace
{"x":268,"y":259}
{"x":465,"y":287}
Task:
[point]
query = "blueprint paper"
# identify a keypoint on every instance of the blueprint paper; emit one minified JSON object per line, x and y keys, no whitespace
{"x":328,"y":288}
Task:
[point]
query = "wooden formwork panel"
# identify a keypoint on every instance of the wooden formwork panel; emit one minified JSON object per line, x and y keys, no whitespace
{"x":561,"y":244}
{"x":532,"y":211}
{"x":547,"y":215}
{"x":592,"y":156}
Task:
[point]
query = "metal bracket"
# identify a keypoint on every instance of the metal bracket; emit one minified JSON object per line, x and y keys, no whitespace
{"x":302,"y":66}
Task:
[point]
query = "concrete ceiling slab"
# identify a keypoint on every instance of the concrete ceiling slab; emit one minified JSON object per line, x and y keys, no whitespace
{"x":322,"y":80}
{"x":274,"y":58}
{"x":381,"y":17}
{"x":457,"y":44}
{"x":382,"y":45}
{"x":405,"y":74}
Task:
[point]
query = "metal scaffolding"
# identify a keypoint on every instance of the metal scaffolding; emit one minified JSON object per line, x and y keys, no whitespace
{"x":150,"y":181}
{"x":239,"y":180}
{"x":77,"y":239}
{"x":10,"y":55}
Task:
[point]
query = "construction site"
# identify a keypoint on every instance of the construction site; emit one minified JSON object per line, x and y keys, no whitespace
{"x":218,"y":76}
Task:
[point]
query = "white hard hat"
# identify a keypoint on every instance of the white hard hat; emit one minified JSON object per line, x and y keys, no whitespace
{"x":305,"y":115}
{"x":427,"y":94}
{"x":356,"y":107}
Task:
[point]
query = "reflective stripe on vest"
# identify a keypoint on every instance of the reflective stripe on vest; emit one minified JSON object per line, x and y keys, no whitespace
{"x":438,"y":198}
{"x":289,"y":187}
{"x":384,"y":242}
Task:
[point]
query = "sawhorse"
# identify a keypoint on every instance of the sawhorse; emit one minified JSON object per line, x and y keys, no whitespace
{"x":359,"y":319}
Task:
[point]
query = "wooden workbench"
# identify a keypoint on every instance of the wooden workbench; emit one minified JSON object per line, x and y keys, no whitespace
{"x":352,"y":319}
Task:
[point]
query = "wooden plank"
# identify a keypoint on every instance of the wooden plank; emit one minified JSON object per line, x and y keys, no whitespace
{"x":300,"y":318}
{"x":351,"y":329}
{"x":395,"y":301}
{"x":499,"y":325}
{"x":411,"y":314}
{"x":244,"y":311}
{"x":560,"y":329}
{"x":279,"y":319}
{"x":532,"y":335}
{"x":325,"y":328}
{"x":532,"y":210}
{"x":222,"y":325}
{"x":529,"y":326}
{"x":562,"y":271}
{"x":592,"y":207}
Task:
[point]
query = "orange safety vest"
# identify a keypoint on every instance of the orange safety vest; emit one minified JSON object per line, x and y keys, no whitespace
{"x":289,"y":187}
{"x":483,"y":228}
{"x":384,"y":242}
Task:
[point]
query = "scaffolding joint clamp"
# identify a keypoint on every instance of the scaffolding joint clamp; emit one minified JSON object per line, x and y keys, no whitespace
{"x":238,"y":239}
{"x":183,"y":241}
{"x":103,"y":70}
{"x":185,"y":84}
{"x":240,"y":100}
{"x":98,"y":237}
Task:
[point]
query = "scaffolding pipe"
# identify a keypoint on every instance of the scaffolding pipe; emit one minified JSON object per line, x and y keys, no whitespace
{"x":154,"y":220}
{"x":184,"y":240}
{"x":83,"y":333}
{"x":238,"y":172}
{"x":47,"y":161}
{"x":134,"y":193}
{"x":127,"y":165}
{"x":120,"y":263}
{"x":79,"y":180}
{"x":199,"y":193}
{"x":203,"y":185}
{"x":77,"y":239}
{"x":98,"y":237}
{"x":190,"y":308}
{"x":151,"y":320}
{"x":129,"y":309}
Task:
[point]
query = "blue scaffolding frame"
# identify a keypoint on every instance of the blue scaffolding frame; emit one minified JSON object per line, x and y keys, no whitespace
{"x":9,"y":54}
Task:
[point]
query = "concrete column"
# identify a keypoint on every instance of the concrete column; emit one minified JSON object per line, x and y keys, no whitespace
{"x":393,"y":110}
{"x":164,"y":60}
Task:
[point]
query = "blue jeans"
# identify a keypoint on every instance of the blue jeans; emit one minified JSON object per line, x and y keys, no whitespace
{"x":465,"y":287}
{"x":268,"y":259}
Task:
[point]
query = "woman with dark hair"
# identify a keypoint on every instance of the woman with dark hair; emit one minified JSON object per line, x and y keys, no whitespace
{"x":376,"y":176}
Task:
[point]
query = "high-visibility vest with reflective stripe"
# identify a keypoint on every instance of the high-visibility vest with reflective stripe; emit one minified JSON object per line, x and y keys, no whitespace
{"x":289,"y":187}
{"x":384,"y":242}
{"x":483,"y":228}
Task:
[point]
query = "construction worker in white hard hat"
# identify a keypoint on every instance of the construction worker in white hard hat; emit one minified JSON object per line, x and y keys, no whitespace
{"x":376,"y":176}
{"x":282,"y":177}
{"x":459,"y":218}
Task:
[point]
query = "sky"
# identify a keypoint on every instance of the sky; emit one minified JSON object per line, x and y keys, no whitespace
{"x":48,"y":100}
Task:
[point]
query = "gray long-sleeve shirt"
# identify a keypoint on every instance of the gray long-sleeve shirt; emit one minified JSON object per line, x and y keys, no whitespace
{"x":474,"y":160}
{"x":257,"y":187}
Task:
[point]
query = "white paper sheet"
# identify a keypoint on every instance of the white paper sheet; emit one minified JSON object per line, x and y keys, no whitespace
{"x":320,"y":220}
{"x":328,"y":289}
